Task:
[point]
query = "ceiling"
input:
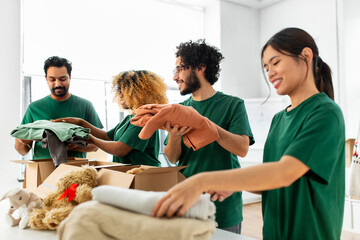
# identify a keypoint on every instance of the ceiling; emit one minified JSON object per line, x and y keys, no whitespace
{"x":256,"y":4}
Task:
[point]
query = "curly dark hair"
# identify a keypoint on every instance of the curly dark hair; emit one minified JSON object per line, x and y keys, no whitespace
{"x":198,"y":54}
{"x":56,"y":61}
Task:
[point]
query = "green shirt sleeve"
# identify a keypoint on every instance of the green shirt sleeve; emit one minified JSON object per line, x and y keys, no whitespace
{"x":27,"y":116}
{"x":317,"y":143}
{"x":131,"y":138}
{"x":92,"y":117}
{"x":239,"y":123}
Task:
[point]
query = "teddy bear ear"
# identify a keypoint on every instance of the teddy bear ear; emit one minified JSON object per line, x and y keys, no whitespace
{"x":10,"y":193}
{"x":5,"y":195}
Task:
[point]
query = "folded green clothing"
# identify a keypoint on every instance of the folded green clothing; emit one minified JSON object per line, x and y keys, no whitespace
{"x":35,"y":130}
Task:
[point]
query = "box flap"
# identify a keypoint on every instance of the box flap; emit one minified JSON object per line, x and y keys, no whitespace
{"x":162,"y":170}
{"x":47,"y":160}
{"x":32,"y":172}
{"x":114,"y":178}
{"x":180,"y":177}
{"x":22,"y":161}
{"x":49,"y":185}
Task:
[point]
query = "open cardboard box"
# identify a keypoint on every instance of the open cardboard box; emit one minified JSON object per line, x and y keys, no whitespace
{"x":151,"y":179}
{"x":37,"y":170}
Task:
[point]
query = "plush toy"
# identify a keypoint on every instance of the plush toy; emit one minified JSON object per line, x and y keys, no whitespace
{"x":72,"y":189}
{"x":24,"y":201}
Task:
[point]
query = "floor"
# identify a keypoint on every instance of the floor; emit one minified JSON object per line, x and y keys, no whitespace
{"x":252,"y":223}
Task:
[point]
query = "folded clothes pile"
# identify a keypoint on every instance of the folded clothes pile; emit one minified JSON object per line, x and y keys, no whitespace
{"x":95,"y":220}
{"x":54,"y":135}
{"x":154,"y":116}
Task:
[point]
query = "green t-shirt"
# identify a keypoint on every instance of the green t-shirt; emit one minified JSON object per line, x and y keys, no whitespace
{"x":145,"y":152}
{"x":313,"y":206}
{"x":47,"y":108}
{"x":229,"y":113}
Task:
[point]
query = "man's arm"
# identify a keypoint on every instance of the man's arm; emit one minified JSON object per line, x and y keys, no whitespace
{"x":23,"y":146}
{"x":234,"y":143}
{"x":173,"y":148}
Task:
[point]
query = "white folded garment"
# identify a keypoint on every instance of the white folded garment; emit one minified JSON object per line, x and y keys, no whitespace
{"x":144,"y":201}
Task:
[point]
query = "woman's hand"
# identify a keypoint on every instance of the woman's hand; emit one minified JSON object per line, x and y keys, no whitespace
{"x":179,"y":198}
{"x":73,"y":120}
{"x":219,"y":195}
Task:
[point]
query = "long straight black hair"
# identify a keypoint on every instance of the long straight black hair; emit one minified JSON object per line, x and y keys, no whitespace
{"x":291,"y":42}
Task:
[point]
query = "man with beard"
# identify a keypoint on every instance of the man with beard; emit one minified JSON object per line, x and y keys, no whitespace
{"x":60,"y":103}
{"x":197,"y":69}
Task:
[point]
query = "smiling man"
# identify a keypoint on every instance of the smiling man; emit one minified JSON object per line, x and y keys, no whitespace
{"x":60,"y":103}
{"x":197,"y":69}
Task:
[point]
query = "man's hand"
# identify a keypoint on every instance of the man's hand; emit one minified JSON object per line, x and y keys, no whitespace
{"x":176,"y":130}
{"x":23,"y":146}
{"x":26,"y":142}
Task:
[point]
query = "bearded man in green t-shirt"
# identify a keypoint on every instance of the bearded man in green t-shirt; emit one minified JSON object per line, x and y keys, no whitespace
{"x":197,"y":69}
{"x":60,"y":103}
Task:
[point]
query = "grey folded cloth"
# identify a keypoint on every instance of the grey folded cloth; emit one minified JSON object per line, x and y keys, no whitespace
{"x":57,"y":148}
{"x":143,"y":201}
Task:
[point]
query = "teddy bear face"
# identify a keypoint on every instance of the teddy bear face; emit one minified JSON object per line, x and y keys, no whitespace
{"x":18,"y":198}
{"x":84,"y":176}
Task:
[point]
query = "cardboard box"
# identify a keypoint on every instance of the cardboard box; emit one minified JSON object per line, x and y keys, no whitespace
{"x":151,"y":179}
{"x":349,"y":150}
{"x":37,"y":170}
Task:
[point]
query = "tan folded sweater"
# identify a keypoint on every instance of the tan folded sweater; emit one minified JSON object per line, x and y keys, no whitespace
{"x":93,"y":220}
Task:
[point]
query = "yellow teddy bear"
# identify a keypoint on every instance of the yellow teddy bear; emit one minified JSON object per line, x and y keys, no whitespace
{"x":72,"y":189}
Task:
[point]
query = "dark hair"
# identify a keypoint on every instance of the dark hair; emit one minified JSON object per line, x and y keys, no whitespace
{"x":291,"y":42}
{"x":56,"y":61}
{"x":198,"y":54}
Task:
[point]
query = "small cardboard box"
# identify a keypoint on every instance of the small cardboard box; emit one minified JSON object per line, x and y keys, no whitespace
{"x":37,"y":170}
{"x":151,"y":179}
{"x":349,"y":150}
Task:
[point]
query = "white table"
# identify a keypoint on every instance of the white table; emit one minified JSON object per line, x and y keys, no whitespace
{"x":16,"y":233}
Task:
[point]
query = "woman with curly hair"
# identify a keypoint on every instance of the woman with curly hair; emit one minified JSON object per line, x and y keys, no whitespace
{"x":132,"y":89}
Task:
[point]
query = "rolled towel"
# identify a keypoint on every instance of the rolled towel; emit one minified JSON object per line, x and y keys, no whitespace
{"x":143,"y":201}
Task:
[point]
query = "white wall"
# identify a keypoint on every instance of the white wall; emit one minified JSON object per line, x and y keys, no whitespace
{"x":240,"y":46}
{"x":318,"y":18}
{"x":234,"y":29}
{"x":10,"y":83}
{"x":351,"y":63}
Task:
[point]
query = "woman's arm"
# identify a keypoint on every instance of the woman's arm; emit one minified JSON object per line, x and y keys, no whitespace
{"x":97,"y":132}
{"x":262,"y":177}
{"x":119,"y":149}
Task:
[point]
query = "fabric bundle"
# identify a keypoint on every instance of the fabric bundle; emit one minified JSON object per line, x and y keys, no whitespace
{"x":54,"y":135}
{"x":94,"y":220}
{"x":154,"y":116}
{"x":143,"y":201}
